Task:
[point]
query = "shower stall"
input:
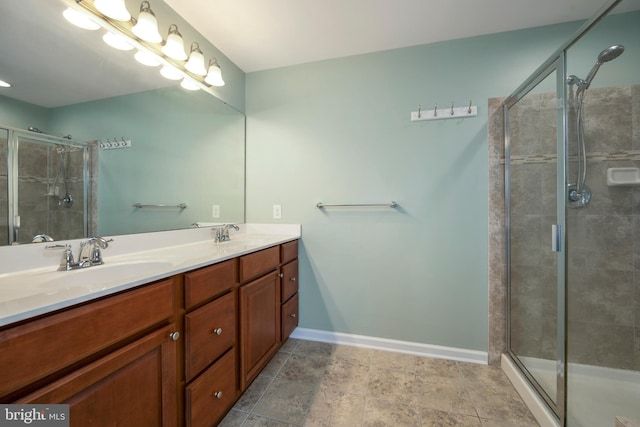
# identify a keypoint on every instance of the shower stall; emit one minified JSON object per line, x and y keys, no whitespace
{"x":572,"y":219}
{"x":45,"y":182}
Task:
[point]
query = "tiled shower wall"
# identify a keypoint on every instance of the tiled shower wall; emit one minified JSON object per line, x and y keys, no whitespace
{"x":603,"y":239}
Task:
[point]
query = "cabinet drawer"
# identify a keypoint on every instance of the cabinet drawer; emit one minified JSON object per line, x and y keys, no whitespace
{"x":205,"y":283}
{"x":54,"y":342}
{"x":210,"y":396}
{"x":288,"y":251}
{"x":210,"y":331}
{"x":257,"y":263}
{"x":289,"y":280}
{"x":289,"y":316}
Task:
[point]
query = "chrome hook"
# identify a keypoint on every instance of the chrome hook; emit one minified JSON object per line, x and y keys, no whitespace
{"x":451,"y":112}
{"x":419,"y":110}
{"x":469,"y":109}
{"x":435,"y":110}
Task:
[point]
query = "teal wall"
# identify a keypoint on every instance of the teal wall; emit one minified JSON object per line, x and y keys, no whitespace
{"x":22,"y":115}
{"x":338,"y":131}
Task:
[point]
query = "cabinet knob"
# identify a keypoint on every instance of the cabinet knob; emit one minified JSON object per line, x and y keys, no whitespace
{"x":293,"y":279}
{"x":175,"y":336}
{"x":293,"y":315}
{"x":281,"y":275}
{"x":217,"y":331}
{"x":218,"y":394}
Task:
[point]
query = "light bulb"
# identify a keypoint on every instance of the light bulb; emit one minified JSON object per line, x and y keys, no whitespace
{"x":79,"y":19}
{"x":188,"y":84}
{"x":171,"y":73}
{"x":146,"y":58}
{"x":117,"y":41}
{"x":146,"y":26}
{"x":174,"y":46}
{"x":114,"y":9}
{"x":214,"y":76}
{"x":195,"y":64}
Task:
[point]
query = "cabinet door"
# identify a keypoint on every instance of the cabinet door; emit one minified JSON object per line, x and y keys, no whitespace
{"x":289,"y":280}
{"x":259,"y":325}
{"x":133,"y":386}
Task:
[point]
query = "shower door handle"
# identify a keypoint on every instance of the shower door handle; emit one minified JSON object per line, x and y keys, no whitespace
{"x":556,"y":236}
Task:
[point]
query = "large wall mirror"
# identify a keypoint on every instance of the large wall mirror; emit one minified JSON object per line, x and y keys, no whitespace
{"x":185,"y":162}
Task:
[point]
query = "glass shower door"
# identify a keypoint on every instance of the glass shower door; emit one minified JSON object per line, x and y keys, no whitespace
{"x":47,"y":188}
{"x":533,"y":135}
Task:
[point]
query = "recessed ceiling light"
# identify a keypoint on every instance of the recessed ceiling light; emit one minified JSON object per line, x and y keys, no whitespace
{"x":4,"y":84}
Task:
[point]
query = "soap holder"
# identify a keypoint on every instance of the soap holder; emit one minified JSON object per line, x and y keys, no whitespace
{"x":623,"y":176}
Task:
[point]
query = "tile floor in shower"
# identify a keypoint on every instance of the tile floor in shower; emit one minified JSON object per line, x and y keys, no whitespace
{"x":317,"y":384}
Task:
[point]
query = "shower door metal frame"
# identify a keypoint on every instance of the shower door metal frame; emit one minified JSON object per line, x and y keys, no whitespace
{"x":557,"y":65}
{"x":12,"y":174}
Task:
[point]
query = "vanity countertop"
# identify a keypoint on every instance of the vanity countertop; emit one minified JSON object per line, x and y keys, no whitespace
{"x":35,"y":291}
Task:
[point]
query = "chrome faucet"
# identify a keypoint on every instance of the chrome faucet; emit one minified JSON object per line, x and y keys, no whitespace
{"x":90,"y":251}
{"x":222,"y":233}
{"x":90,"y":254}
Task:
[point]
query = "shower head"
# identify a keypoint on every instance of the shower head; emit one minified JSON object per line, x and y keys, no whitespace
{"x":609,"y":54}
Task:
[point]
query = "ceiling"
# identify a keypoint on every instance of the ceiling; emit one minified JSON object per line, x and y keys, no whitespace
{"x":258,"y":34}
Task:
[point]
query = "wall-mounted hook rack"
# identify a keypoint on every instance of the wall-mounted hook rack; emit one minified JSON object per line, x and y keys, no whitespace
{"x":115,"y":143}
{"x":449,"y":113}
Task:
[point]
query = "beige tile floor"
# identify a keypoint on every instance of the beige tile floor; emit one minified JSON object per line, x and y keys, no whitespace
{"x":316,"y":384}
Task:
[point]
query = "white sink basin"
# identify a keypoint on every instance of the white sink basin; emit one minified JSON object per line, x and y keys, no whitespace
{"x":47,"y":282}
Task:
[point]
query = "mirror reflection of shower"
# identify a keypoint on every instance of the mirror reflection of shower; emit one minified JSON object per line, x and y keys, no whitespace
{"x":579,"y":192}
{"x":62,"y":174}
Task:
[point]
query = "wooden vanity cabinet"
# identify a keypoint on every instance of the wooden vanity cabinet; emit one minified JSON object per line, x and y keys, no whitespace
{"x":179,"y":351}
{"x":113,"y":360}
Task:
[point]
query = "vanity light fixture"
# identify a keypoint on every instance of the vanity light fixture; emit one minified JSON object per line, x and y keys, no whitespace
{"x":146,"y":27}
{"x":146,"y":58}
{"x":114,"y":9}
{"x":116,"y":41}
{"x":195,"y":64}
{"x":188,"y":84}
{"x":170,"y":73}
{"x":4,"y":84}
{"x":214,"y":75}
{"x":174,"y":46}
{"x":79,"y":19}
{"x":142,"y":34}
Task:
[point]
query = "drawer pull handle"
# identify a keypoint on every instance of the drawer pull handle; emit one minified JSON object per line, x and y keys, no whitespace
{"x":217,"y":395}
{"x":281,"y":275}
{"x":293,"y":315}
{"x":293,"y":279}
{"x":175,"y":336}
{"x":217,"y":331}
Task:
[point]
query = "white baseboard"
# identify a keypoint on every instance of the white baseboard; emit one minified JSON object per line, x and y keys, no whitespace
{"x":418,"y":349}
{"x":536,"y":405}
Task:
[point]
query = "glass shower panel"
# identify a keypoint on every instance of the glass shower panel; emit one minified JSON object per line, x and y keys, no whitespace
{"x":603,"y":256}
{"x":532,"y":164}
{"x":4,"y":187}
{"x":50,"y":190}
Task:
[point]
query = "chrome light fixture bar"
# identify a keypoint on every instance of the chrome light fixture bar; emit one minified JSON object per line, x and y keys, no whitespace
{"x":170,"y":54}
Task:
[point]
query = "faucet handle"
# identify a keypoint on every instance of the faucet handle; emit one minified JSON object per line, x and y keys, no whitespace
{"x":66,"y":262}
